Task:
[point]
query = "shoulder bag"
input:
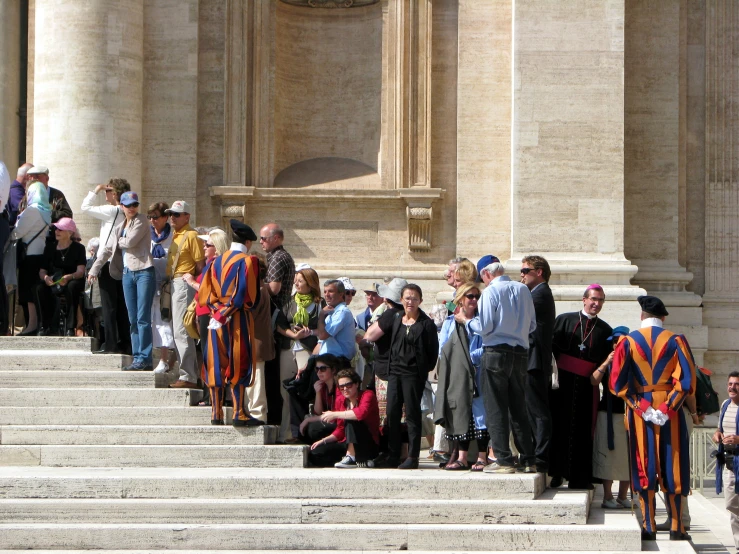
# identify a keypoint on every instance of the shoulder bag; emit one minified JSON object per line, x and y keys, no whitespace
{"x":191,"y":320}
{"x":21,"y":252}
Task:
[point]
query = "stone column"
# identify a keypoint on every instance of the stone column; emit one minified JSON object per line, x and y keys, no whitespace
{"x":10,"y":71}
{"x":721,"y":297}
{"x":88,"y":95}
{"x":568,"y":153}
{"x":652,"y":171}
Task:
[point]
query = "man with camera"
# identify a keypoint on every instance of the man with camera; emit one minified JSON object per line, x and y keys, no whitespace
{"x":727,"y":466}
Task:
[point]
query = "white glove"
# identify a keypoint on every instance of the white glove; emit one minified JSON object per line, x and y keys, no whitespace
{"x":648,"y":415}
{"x":215,"y":324}
{"x":660,"y":418}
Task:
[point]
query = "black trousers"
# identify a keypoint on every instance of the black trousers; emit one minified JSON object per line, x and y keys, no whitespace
{"x":358,"y":434}
{"x":316,"y":430}
{"x":540,"y":419}
{"x":502,"y":382}
{"x":115,"y":313}
{"x":404,"y":390}
{"x":4,"y":235}
{"x":50,"y":304}
{"x":272,"y":387}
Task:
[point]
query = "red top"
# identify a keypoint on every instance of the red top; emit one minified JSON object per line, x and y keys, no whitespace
{"x":201,"y":310}
{"x":367,"y":411}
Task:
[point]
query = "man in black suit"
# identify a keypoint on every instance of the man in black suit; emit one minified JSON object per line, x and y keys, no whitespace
{"x":535,"y":275}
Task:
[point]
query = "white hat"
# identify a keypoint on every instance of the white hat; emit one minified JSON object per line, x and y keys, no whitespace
{"x":348,"y":285}
{"x":302,"y":266}
{"x":179,"y":207}
{"x":38,"y":170}
{"x":392,"y":290}
{"x":204,"y":237}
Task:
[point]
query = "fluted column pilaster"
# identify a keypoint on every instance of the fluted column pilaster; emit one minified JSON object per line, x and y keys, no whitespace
{"x":10,"y":74}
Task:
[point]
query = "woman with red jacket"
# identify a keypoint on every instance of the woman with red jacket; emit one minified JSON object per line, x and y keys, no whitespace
{"x":357,"y":432}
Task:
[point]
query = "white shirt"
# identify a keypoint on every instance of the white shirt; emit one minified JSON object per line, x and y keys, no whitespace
{"x":106,"y":213}
{"x":652,"y":322}
{"x":237,"y":247}
{"x":4,"y":186}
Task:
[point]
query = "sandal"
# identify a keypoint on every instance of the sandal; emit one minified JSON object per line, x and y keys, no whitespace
{"x":479,"y":465}
{"x":456,"y":466}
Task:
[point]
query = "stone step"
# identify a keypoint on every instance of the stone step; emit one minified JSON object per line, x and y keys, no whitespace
{"x":23,"y":379}
{"x":93,"y":396}
{"x":553,"y":509}
{"x":136,"y":434}
{"x":105,"y":415}
{"x":80,"y":344}
{"x":322,"y":536}
{"x":190,"y":456}
{"x":225,"y":483}
{"x":61,"y":360}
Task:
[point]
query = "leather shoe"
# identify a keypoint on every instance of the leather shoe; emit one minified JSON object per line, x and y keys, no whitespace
{"x":217,"y":422}
{"x":31,"y":333}
{"x":555,"y":482}
{"x":441,"y":457}
{"x":678,"y":536}
{"x":251,"y":422}
{"x":184,"y":385}
{"x":409,"y":463}
{"x":44,"y":332}
{"x":647,"y":536}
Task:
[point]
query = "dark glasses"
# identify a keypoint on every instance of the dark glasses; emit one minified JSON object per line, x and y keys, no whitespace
{"x":153,"y":217}
{"x":134,"y":205}
{"x":346,"y":385}
{"x":175,"y":215}
{"x":351,"y":292}
{"x":322,"y":368}
{"x":472,"y":296}
{"x":209,"y":245}
{"x":526,"y":270}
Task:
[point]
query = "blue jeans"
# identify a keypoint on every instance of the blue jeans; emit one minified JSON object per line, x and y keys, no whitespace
{"x":138,"y":289}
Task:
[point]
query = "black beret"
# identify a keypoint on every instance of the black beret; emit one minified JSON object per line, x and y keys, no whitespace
{"x":242,"y":230}
{"x":652,"y":305}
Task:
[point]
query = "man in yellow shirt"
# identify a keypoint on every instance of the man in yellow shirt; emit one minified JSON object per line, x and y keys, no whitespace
{"x":185,"y":257}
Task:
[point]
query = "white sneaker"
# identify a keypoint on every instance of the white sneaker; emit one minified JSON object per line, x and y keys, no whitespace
{"x":347,"y":463}
{"x":626,"y":503}
{"x":162,"y":367}
{"x":610,"y":504}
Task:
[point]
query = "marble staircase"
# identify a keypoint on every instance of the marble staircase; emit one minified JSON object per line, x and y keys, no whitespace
{"x":96,"y":459}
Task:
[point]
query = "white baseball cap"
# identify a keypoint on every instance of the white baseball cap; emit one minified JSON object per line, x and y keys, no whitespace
{"x":179,"y":207}
{"x":348,"y":285}
{"x":38,"y":170}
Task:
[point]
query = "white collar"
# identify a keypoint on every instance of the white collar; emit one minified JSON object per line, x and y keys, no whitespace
{"x":537,"y":286}
{"x":588,"y":315}
{"x":237,"y":247}
{"x":652,"y":322}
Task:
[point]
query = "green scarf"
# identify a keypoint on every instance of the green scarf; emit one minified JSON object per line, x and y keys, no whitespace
{"x":302,"y":316}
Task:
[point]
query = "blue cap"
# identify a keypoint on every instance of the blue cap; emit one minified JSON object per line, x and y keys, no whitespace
{"x":618,"y":332}
{"x":128,"y":198}
{"x":483,"y":262}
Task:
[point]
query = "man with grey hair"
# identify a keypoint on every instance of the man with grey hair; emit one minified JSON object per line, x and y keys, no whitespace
{"x":280,"y":264}
{"x":506,"y":318}
{"x":336,"y":324}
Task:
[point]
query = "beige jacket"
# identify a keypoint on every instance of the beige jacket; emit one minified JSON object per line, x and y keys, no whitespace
{"x":136,"y":243}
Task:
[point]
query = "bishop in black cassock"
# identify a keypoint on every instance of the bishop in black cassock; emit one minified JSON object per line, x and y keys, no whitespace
{"x":580,"y":345}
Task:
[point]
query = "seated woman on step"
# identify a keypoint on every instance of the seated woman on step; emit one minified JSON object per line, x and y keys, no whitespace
{"x":312,"y":428}
{"x":357,"y":433}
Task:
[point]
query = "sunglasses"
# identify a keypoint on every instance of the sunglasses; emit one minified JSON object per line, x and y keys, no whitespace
{"x":153,"y":217}
{"x":472,"y":296}
{"x":263,"y":239}
{"x":322,"y":368}
{"x":209,"y":245}
{"x":175,"y":215}
{"x":351,"y":292}
{"x":526,"y":270}
{"x":134,"y":205}
{"x":346,"y":386}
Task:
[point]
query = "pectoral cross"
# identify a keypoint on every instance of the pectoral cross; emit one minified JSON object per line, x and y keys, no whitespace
{"x":581,"y":347}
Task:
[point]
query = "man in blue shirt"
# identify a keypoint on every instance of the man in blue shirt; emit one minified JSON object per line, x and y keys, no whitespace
{"x":336,"y":324}
{"x":506,"y":318}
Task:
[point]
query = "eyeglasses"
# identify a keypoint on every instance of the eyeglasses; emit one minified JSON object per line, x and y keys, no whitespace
{"x":134,"y":205}
{"x":175,"y":215}
{"x":263,"y":239}
{"x":472,"y":296}
{"x":153,"y":217}
{"x":351,"y":292}
{"x":209,"y":245}
{"x":322,"y":368}
{"x":345,"y":385}
{"x":526,"y":270}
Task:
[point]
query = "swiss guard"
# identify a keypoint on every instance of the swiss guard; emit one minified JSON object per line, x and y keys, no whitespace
{"x":229,"y":289}
{"x":653,"y":371}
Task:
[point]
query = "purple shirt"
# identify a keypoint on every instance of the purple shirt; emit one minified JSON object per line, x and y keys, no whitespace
{"x":17,"y":192}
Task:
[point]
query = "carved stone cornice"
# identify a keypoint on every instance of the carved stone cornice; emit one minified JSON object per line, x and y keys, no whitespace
{"x":330,"y":3}
{"x":232,"y":210}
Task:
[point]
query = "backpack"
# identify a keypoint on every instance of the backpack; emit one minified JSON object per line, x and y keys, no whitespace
{"x":706,"y":398}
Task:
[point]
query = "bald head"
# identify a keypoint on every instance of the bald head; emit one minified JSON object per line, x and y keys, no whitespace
{"x":271,"y":237}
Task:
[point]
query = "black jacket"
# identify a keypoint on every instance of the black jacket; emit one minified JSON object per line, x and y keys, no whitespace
{"x":427,"y":344}
{"x":540,"y":341}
